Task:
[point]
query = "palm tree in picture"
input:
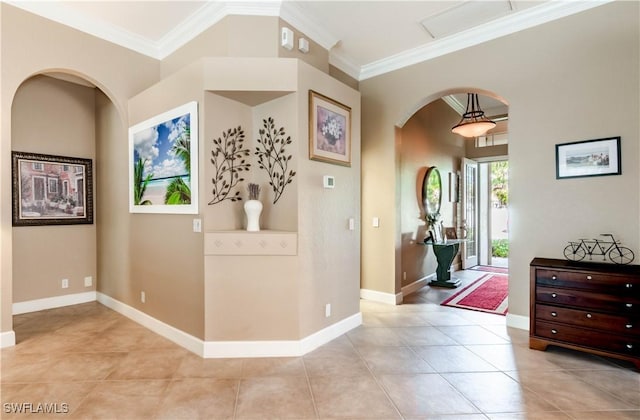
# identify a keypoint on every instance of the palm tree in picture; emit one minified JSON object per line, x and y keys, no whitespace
{"x":178,"y":191}
{"x":140,"y":183}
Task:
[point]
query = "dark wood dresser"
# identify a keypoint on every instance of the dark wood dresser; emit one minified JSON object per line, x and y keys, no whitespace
{"x":592,"y":307}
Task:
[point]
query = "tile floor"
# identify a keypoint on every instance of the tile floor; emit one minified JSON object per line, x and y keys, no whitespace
{"x":417,"y":360}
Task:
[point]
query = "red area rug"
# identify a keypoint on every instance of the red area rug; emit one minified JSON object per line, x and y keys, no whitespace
{"x":487,"y":294}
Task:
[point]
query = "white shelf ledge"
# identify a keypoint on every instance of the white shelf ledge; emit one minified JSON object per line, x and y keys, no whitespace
{"x":240,"y":242}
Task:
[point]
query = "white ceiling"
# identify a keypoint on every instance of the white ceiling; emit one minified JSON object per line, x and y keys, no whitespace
{"x":365,"y":38}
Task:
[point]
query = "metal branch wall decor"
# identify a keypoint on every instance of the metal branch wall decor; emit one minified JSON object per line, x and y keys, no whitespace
{"x":228,"y":159}
{"x":272,"y":157}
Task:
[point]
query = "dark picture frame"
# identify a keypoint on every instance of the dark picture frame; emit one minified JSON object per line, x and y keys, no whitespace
{"x":329,"y":130}
{"x":599,"y":157}
{"x":51,"y":190}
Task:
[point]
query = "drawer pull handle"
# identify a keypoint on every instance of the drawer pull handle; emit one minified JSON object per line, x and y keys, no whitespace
{"x":554,"y":314}
{"x":629,"y":346}
{"x":554,"y":277}
{"x":553,"y":295}
{"x":629,"y":305}
{"x":629,"y":326}
{"x":589,"y":316}
{"x":556,"y":332}
{"x":589,"y":277}
{"x":628,"y":285}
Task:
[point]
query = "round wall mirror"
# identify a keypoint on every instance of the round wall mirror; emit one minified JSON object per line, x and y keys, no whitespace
{"x":432,"y":192}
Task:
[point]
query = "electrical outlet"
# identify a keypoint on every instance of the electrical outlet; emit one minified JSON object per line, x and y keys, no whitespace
{"x":65,"y":283}
{"x":88,"y":281}
{"x":143,"y":297}
{"x":197,"y":225}
{"x":327,"y":310}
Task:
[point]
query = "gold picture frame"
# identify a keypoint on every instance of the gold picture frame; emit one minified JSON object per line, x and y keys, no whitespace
{"x":329,"y":130}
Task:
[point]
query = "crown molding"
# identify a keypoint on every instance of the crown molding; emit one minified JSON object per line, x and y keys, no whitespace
{"x":212,"y":12}
{"x":59,"y":13}
{"x":339,"y":61}
{"x":507,"y":25}
{"x":454,"y":104}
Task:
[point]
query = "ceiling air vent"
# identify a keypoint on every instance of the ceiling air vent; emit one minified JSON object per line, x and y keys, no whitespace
{"x":464,"y":16}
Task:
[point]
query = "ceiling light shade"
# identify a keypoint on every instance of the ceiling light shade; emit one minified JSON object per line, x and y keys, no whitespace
{"x":473,"y":122}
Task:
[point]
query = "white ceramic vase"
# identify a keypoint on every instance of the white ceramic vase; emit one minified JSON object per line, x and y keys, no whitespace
{"x":252,"y":209}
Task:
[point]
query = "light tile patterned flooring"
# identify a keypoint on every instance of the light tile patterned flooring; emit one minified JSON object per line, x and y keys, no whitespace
{"x":417,"y":360}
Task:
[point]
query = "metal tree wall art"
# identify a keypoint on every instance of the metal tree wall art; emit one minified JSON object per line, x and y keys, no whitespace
{"x":272,"y":157}
{"x":228,"y":161}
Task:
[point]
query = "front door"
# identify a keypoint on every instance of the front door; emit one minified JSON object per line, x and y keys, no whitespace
{"x":469,"y":213}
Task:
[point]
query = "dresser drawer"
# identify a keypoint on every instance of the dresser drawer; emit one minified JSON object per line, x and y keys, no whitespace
{"x":624,"y":285}
{"x":626,"y":306}
{"x":589,"y":319}
{"x":617,"y":343}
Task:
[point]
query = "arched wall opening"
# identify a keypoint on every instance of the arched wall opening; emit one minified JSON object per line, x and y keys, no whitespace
{"x":423,"y":140}
{"x":62,"y":112}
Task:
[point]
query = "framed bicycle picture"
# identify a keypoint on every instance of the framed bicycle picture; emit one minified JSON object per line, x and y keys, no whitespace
{"x":597,"y":157}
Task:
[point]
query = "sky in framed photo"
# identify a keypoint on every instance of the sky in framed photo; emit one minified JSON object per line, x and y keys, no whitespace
{"x":331,"y":131}
{"x":155,"y":146}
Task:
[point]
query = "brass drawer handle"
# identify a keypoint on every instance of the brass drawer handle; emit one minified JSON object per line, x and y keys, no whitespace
{"x":628,"y":326}
{"x":589,"y":277}
{"x":553,"y":295}
{"x":629,"y":346}
{"x":554,"y":314}
{"x":556,"y":332}
{"x":589,"y":316}
{"x":629,"y":305}
{"x":554,"y":277}
{"x":628,"y":285}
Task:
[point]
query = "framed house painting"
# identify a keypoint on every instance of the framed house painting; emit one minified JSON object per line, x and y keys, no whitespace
{"x":163,"y":162}
{"x":51,"y":190}
{"x":588,"y":158}
{"x":329,"y":130}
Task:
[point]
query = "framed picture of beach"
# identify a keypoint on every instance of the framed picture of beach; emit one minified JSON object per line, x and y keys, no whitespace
{"x":329,"y":130}
{"x":588,"y":158}
{"x":51,"y":190}
{"x":163,"y":162}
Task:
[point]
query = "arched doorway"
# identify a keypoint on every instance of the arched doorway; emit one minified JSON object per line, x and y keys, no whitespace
{"x":60,"y":113}
{"x":425,"y":140}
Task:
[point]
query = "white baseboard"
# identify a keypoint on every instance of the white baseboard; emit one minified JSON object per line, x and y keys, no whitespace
{"x":381,"y":297}
{"x":417,"y":285}
{"x":7,"y":339}
{"x":179,"y":337}
{"x":53,"y":302}
{"x":518,"y":321}
{"x":224,"y":349}
{"x":283,"y":348}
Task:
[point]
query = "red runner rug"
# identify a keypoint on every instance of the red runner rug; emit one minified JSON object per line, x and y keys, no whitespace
{"x":490,"y":269}
{"x":487,"y":294}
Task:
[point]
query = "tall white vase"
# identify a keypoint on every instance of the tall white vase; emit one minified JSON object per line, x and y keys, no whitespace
{"x":253,"y":208}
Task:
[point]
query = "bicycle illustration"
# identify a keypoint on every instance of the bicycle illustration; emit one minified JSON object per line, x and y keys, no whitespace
{"x":576,"y":251}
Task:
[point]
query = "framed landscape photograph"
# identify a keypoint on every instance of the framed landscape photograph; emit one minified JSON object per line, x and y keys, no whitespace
{"x":163,"y":162}
{"x":329,"y":130}
{"x":51,"y":190}
{"x":588,"y":158}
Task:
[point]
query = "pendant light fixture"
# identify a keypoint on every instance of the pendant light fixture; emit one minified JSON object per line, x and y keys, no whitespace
{"x":473,"y":122}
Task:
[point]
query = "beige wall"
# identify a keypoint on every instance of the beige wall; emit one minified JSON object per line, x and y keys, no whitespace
{"x":32,"y":45}
{"x":426,"y":141}
{"x":53,"y":117}
{"x":573,"y":79}
{"x":157,"y":253}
